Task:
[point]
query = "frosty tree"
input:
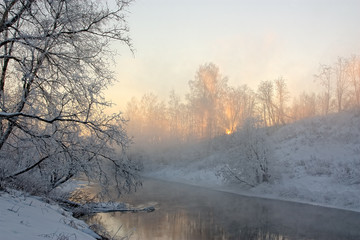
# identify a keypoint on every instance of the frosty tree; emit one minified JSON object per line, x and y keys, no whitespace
{"x":205,"y":94}
{"x":54,"y":57}
{"x":249,"y":164}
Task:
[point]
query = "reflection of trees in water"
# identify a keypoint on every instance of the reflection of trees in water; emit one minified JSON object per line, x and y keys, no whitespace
{"x":179,"y":219}
{"x":258,"y":227}
{"x":182,"y":225}
{"x":173,"y":225}
{"x":177,"y":225}
{"x":100,"y":224}
{"x":258,"y":234}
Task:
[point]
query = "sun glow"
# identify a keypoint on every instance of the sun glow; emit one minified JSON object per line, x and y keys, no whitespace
{"x":228,"y":131}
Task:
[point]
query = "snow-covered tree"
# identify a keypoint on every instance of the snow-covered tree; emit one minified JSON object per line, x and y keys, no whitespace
{"x":265,"y":95}
{"x":341,"y":83}
{"x":304,"y":106}
{"x":282,"y":97}
{"x":250,"y":161}
{"x":54,"y":68}
{"x":238,"y":105}
{"x":353,"y":71}
{"x":174,"y":115}
{"x":325,"y":79}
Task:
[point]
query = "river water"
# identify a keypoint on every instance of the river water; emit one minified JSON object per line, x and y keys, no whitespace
{"x":188,"y":212}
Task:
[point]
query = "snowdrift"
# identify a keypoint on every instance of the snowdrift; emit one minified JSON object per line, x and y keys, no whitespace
{"x":26,"y":217}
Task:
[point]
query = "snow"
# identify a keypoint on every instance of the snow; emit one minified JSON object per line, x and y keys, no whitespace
{"x":25,"y":217}
{"x":315,"y":161}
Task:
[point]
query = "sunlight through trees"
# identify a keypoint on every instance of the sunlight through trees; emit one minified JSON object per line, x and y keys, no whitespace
{"x":213,"y":108}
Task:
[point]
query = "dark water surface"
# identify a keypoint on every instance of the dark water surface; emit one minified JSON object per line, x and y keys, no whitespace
{"x":188,"y":212}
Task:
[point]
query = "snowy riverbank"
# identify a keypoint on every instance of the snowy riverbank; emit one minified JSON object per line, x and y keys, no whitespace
{"x":320,"y":192}
{"x":24,"y":217}
{"x":316,"y":161}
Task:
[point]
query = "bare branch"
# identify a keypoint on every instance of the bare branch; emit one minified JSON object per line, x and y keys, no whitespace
{"x":27,"y":169}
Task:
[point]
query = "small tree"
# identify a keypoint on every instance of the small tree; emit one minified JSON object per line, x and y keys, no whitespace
{"x":54,"y":69}
{"x":250,"y":165}
{"x":353,"y":71}
{"x":265,"y":95}
{"x":325,"y":79}
{"x":282,"y":97}
{"x":174,"y":113}
{"x":341,"y":83}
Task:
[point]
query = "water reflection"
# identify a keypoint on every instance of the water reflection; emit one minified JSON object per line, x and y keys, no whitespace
{"x":186,"y":212}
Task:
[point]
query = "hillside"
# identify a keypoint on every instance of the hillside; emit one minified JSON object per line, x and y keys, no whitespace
{"x":315,"y":160}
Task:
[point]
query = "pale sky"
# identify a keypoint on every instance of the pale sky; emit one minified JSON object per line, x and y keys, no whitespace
{"x":249,"y":40}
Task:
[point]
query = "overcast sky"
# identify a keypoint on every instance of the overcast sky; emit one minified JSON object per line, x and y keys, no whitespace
{"x":249,"y":40}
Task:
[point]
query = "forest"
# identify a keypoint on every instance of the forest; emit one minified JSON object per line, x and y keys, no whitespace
{"x":213,"y":108}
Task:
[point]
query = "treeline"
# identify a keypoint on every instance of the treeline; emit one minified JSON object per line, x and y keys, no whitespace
{"x":213,"y":108}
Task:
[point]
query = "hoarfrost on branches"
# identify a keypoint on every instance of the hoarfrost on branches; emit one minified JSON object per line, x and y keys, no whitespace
{"x":54,"y":67}
{"x":251,"y":166}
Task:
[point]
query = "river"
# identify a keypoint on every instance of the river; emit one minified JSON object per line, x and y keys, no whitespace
{"x":189,"y":212}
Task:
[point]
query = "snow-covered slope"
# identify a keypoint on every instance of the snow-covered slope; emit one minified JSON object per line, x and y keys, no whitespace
{"x":315,"y":160}
{"x":319,"y":161}
{"x":24,"y":217}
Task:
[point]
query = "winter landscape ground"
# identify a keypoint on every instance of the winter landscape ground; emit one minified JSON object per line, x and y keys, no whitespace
{"x":25,"y":217}
{"x":60,"y":117}
{"x":315,"y":160}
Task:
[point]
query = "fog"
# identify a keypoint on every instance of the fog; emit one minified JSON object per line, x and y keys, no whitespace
{"x":188,"y":212}
{"x":212,"y":107}
{"x":221,"y":133}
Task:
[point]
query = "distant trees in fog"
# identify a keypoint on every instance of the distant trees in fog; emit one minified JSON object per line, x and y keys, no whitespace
{"x":213,"y":108}
{"x":340,"y":85}
{"x":207,"y":91}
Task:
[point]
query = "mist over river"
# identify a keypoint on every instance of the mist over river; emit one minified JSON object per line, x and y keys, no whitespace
{"x":189,"y":212}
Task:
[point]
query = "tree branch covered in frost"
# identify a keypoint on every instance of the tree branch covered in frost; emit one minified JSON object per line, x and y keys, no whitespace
{"x":54,"y":58}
